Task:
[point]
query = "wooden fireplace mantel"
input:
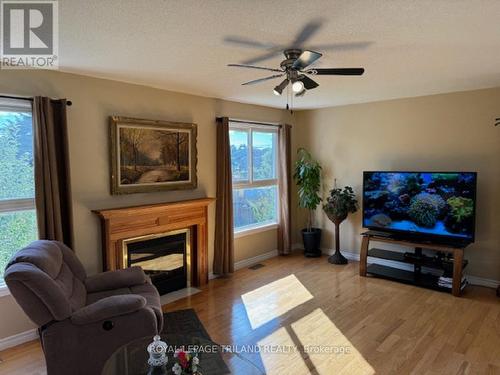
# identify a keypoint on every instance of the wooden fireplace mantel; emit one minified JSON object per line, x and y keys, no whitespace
{"x":119,"y":224}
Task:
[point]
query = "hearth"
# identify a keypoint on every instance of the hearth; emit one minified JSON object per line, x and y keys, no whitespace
{"x":164,"y":257}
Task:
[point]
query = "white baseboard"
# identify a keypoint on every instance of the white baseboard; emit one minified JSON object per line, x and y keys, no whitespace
{"x":473,"y":280}
{"x":481,"y":281}
{"x":20,"y":338}
{"x":254,"y":260}
{"x":249,"y":262}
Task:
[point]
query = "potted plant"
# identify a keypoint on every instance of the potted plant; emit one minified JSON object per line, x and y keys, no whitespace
{"x":338,"y":205}
{"x":308,"y":179}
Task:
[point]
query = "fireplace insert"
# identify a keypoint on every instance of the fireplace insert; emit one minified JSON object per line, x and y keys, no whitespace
{"x":164,"y":258}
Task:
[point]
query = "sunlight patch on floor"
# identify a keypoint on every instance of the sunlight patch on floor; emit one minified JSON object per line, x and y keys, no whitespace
{"x":329,"y":350}
{"x":279,"y":356}
{"x":274,"y":299}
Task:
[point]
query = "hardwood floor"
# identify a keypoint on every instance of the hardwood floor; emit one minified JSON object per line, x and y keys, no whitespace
{"x":348,"y":324}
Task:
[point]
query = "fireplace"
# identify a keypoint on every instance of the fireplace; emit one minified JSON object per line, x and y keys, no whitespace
{"x":124,"y":227}
{"x":165,"y":258}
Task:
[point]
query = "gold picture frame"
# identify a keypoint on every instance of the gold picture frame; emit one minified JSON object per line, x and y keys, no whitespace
{"x":151,"y":155}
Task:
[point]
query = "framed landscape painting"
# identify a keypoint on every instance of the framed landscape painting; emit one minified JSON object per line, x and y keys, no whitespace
{"x":148,"y":155}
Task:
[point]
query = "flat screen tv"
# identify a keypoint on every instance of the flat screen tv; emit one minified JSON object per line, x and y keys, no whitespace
{"x":422,"y":205}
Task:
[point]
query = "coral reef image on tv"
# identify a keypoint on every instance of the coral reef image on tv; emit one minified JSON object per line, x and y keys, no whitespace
{"x":437,"y":204}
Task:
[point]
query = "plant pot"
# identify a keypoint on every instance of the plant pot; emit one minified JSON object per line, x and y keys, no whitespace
{"x":312,"y":242}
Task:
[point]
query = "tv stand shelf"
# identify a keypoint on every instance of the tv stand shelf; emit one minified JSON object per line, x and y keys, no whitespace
{"x":425,"y":280}
{"x":417,"y":259}
{"x":423,"y":261}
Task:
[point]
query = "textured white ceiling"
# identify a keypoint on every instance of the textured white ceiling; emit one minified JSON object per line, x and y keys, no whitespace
{"x":418,"y":47}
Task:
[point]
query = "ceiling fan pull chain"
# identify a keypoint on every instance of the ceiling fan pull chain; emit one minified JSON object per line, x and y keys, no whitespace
{"x":287,"y":97}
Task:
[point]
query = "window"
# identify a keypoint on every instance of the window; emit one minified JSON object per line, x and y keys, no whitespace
{"x":17,"y":188}
{"x":254,"y":161}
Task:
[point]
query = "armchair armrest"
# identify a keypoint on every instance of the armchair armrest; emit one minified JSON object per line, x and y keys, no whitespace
{"x":107,"y":308}
{"x":115,"y":279}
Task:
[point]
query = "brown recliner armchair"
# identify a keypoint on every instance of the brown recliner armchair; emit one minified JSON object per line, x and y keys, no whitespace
{"x":82,"y":320}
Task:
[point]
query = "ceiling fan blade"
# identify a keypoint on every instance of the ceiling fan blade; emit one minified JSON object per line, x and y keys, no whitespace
{"x":337,"y":71}
{"x":254,"y":67}
{"x":308,"y":82}
{"x":305,"y":59}
{"x":307,"y":32}
{"x":244,"y":42}
{"x":263,"y":79}
{"x":341,"y":46}
{"x":263,"y":57}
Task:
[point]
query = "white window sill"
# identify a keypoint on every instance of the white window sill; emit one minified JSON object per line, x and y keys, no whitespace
{"x":4,"y":291}
{"x":253,"y":230}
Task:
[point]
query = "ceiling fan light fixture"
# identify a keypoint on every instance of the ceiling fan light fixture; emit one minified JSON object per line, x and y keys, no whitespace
{"x":297,"y":86}
{"x":278,"y":90}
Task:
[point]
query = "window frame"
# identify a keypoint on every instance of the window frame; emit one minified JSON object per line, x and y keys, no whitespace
{"x":250,"y":128}
{"x":15,"y":204}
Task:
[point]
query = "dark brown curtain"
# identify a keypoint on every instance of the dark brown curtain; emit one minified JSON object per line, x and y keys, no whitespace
{"x":52,"y":177}
{"x":224,"y":247}
{"x":285,"y":185}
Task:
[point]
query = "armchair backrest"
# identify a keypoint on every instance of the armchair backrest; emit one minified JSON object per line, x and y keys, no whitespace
{"x":47,"y":281}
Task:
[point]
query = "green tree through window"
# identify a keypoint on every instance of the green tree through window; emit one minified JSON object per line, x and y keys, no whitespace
{"x":17,"y":214}
{"x":254,"y":166}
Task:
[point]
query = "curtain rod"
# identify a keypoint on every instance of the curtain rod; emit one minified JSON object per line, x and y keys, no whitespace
{"x":275,"y":125}
{"x":68,"y":102}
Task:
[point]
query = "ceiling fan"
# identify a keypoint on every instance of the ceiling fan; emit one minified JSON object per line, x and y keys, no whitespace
{"x":294,"y":68}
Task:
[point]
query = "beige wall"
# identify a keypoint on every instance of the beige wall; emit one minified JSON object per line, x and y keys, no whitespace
{"x":93,"y":101}
{"x":255,"y":244}
{"x":441,"y":132}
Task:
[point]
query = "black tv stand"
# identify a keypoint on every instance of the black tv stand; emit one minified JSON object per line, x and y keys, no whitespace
{"x":451,"y":267}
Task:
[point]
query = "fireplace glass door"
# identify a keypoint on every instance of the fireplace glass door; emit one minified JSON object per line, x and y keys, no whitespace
{"x":164,"y":258}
